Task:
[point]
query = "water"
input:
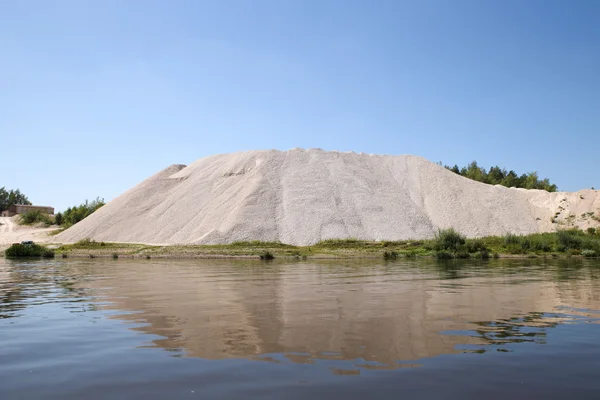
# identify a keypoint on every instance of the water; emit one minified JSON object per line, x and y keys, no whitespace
{"x":244,"y":329}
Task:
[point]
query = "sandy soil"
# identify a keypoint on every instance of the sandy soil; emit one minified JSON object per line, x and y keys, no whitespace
{"x":11,"y":232}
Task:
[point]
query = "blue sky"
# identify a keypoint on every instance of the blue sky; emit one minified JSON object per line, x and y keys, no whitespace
{"x":95,"y":96}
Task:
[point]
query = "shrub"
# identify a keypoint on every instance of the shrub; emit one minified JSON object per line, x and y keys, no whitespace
{"x":591,"y":231}
{"x":35,"y":216}
{"x":28,"y":250}
{"x":483,"y":254}
{"x":462,"y":254}
{"x":410,"y":254}
{"x":515,"y":249}
{"x":448,"y":239}
{"x":476,"y":245}
{"x":569,"y":240}
{"x":266,"y":255}
{"x":588,"y":253}
{"x":536,"y":243}
{"x":443,"y":255}
{"x":512,"y":239}
{"x":390,"y":254}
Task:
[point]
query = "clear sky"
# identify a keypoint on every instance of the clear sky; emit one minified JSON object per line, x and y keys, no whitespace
{"x":95,"y":96}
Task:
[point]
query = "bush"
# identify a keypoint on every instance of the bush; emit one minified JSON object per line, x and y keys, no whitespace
{"x":512,"y":239}
{"x":443,"y":255}
{"x":267,"y":255}
{"x":410,"y":254}
{"x":35,"y":216}
{"x":534,"y":243}
{"x":448,"y":239}
{"x":569,"y":240}
{"x":589,"y":253}
{"x":483,"y":254}
{"x":462,"y":254}
{"x":476,"y":245}
{"x":591,"y":231}
{"x":390,"y":254}
{"x":28,"y":250}
{"x":515,"y":249}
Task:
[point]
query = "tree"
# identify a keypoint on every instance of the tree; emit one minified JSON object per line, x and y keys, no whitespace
{"x":499,"y":176}
{"x":58,"y":219}
{"x":496,"y":175}
{"x":11,"y":197}
{"x":73,"y":215}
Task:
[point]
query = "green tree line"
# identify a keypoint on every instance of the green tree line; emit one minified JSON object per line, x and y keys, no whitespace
{"x":73,"y":215}
{"x":500,"y":176}
{"x":11,"y":197}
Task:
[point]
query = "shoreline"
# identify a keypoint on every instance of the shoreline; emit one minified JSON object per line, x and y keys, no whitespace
{"x":256,"y":251}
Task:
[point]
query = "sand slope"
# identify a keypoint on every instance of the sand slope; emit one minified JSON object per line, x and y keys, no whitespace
{"x":303,"y":196}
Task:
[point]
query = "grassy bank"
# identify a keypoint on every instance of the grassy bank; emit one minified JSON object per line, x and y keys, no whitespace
{"x":448,"y":244}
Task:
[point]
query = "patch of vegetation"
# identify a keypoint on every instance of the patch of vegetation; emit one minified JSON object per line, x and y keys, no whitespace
{"x":589,"y":253}
{"x":443,"y":255}
{"x":390,"y":254}
{"x":77,"y":213}
{"x":448,"y":240}
{"x":499,"y":176}
{"x":56,"y":232}
{"x":341,"y":243}
{"x":87,"y":243}
{"x":28,"y":250}
{"x":483,"y":254}
{"x":35,"y":217}
{"x":258,"y":243}
{"x":267,"y":255}
{"x":563,"y":241}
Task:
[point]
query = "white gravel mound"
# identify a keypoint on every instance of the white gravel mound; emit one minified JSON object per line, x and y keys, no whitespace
{"x":303,"y":196}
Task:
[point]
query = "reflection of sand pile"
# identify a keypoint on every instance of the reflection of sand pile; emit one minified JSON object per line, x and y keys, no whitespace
{"x":303,"y":196}
{"x":218,"y":312}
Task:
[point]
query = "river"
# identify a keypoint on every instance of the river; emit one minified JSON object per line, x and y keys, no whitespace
{"x":128,"y":329}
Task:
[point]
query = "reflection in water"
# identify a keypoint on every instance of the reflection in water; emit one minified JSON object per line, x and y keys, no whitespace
{"x":373,"y":315}
{"x":36,"y":284}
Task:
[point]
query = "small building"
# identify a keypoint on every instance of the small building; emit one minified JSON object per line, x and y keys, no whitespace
{"x":23,"y":208}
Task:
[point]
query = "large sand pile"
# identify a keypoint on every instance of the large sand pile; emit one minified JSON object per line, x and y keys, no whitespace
{"x":304,"y":196}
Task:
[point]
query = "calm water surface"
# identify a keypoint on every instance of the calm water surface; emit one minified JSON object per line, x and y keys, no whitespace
{"x":228,"y":329}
